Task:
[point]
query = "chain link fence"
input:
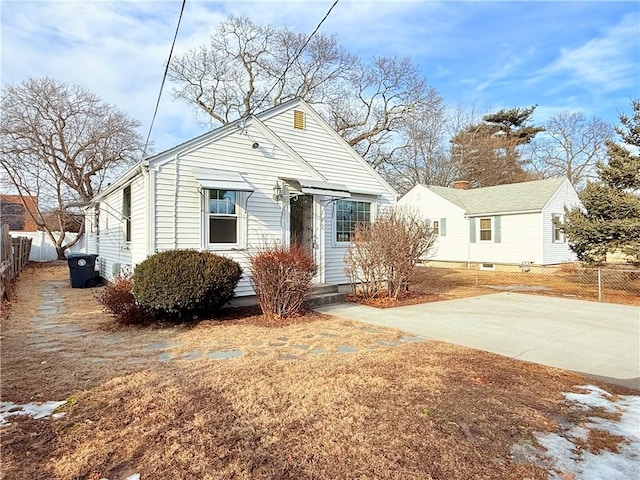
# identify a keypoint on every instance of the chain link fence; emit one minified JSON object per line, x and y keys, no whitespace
{"x":605,"y":283}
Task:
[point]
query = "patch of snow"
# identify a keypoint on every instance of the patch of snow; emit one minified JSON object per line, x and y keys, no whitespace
{"x":563,"y":447}
{"x":135,"y":476}
{"x":34,"y":410}
{"x":596,"y":397}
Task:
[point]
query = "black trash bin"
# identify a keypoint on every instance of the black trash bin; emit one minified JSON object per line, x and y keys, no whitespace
{"x":82,"y":270}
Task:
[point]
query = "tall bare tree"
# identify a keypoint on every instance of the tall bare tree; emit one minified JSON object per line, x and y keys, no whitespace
{"x":247,"y":67}
{"x":571,"y":146}
{"x":59,"y":143}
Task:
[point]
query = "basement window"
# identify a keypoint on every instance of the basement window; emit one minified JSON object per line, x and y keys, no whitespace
{"x":298,"y":119}
{"x":487,"y":266}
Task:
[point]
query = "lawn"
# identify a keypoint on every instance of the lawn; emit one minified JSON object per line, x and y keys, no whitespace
{"x":319,"y":398}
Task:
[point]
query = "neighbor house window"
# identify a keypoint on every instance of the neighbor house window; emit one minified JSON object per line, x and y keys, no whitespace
{"x":126,"y":212}
{"x":436,"y":227}
{"x":558,"y":234}
{"x":350,"y":213}
{"x":223,"y":218}
{"x":485,"y":229}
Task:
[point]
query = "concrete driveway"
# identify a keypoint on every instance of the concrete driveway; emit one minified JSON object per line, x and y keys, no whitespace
{"x":601,"y":340}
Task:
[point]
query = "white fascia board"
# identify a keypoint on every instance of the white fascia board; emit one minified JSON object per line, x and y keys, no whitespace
{"x":120,"y":181}
{"x":310,"y":111}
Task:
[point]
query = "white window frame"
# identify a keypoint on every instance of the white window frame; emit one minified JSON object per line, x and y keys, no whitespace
{"x":239,"y":216}
{"x":490,"y":230}
{"x":127,"y":231}
{"x":555,"y":230}
{"x":334,"y":235}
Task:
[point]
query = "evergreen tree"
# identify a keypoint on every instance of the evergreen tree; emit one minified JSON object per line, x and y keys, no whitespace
{"x":488,"y":153}
{"x":610,"y":219}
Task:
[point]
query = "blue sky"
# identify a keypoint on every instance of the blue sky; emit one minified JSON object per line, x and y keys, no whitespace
{"x":576,"y":56}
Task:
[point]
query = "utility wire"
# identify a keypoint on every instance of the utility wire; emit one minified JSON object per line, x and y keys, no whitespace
{"x":295,"y":57}
{"x":164,"y":77}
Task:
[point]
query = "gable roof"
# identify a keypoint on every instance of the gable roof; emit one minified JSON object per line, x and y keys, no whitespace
{"x":513,"y":197}
{"x":257,"y":120}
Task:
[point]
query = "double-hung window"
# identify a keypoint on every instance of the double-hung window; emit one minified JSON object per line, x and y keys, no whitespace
{"x":436,"y":227}
{"x":350,"y":213}
{"x":126,"y":212}
{"x":222,"y":213}
{"x":485,"y":230}
{"x":557,"y":233}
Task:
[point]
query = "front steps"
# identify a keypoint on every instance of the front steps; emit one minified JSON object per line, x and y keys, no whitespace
{"x":324,"y":294}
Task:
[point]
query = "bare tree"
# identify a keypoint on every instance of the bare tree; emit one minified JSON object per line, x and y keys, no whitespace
{"x":571,"y":146}
{"x":59,"y":143}
{"x":247,"y":67}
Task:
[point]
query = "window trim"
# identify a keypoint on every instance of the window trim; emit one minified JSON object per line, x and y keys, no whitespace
{"x":240,"y":200}
{"x":334,"y":235}
{"x":490,"y":230}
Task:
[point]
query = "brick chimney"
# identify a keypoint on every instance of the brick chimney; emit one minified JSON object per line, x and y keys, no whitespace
{"x":461,"y":185}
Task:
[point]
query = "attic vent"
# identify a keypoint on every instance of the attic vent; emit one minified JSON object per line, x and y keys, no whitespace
{"x":298,"y":119}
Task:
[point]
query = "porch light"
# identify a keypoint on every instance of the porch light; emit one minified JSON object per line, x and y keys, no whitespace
{"x":277,"y":192}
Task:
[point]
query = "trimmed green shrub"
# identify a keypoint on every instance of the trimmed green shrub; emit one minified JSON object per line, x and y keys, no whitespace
{"x":117,"y":299}
{"x":281,"y":277}
{"x":182,"y":283}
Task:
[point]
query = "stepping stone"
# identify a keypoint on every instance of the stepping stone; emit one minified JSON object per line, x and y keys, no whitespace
{"x":346,"y":349}
{"x":288,"y":356}
{"x":302,"y":347}
{"x":282,"y":339}
{"x":328,"y":335}
{"x":165,"y":357}
{"x":162,"y":345}
{"x":68,"y":330}
{"x":370,"y":330}
{"x":277,"y":344}
{"x":97,"y":360}
{"x":48,"y":310}
{"x":316,"y":351}
{"x":410,"y":339}
{"x":257,"y":343}
{"x":224,"y":354}
{"x":192,"y":355}
{"x":389,"y":343}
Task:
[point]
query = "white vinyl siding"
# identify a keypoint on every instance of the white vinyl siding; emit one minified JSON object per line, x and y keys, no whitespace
{"x":557,"y":252}
{"x":178,"y":205}
{"x":116,"y":255}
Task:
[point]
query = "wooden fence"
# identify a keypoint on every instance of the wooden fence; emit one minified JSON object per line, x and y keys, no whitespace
{"x":14,"y":255}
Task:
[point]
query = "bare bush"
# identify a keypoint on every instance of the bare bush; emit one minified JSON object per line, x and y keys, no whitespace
{"x":117,"y":299}
{"x":382,"y":255}
{"x":281,"y":277}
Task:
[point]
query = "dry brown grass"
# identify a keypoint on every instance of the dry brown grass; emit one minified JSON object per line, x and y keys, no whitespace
{"x":422,"y":410}
{"x":447,"y":283}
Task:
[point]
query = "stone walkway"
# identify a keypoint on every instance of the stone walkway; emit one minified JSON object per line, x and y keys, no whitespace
{"x":50,"y":335}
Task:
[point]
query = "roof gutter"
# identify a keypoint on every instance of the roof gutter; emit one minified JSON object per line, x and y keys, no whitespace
{"x":508,"y":212}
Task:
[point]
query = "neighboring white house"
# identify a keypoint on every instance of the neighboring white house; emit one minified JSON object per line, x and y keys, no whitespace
{"x":505,"y":224}
{"x":271,"y":177}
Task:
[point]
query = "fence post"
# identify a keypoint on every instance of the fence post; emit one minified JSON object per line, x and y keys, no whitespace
{"x":599,"y":285}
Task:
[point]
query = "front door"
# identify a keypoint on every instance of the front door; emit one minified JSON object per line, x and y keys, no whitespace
{"x":301,"y":222}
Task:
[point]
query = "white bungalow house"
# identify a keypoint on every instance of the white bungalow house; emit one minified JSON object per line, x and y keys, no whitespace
{"x":505,"y":224}
{"x":280,"y":175}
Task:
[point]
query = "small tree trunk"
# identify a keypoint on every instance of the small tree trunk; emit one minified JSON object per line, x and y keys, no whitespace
{"x":60,"y":252}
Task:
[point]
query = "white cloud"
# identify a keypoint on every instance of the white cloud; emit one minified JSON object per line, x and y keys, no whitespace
{"x":609,"y":62}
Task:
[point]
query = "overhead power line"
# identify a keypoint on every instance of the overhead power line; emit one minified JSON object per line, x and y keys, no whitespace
{"x":295,"y":57}
{"x":164,"y":77}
